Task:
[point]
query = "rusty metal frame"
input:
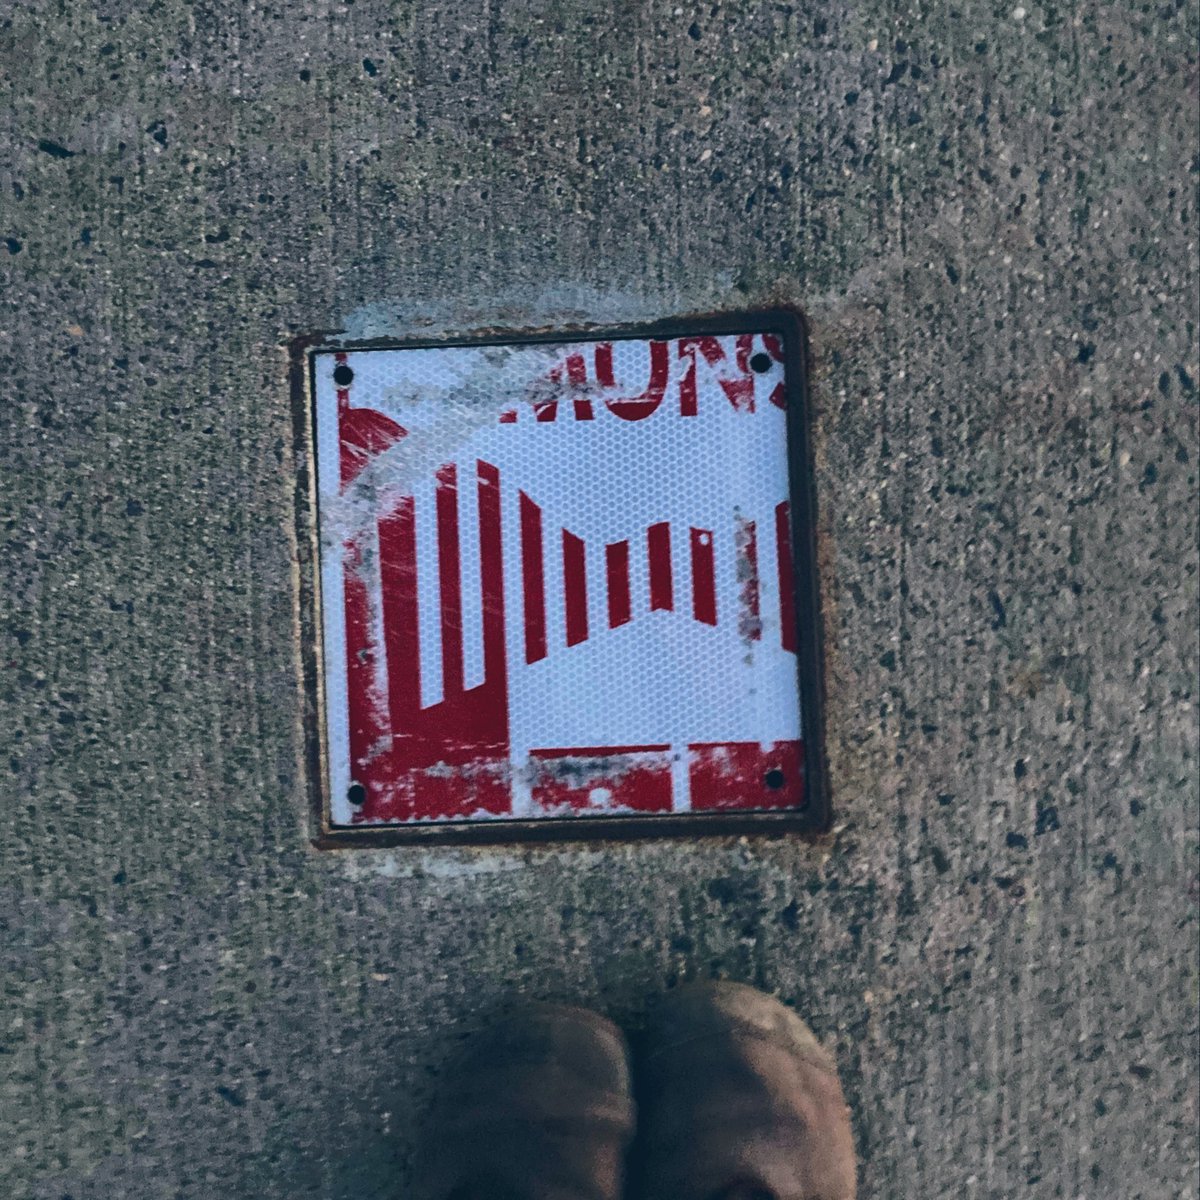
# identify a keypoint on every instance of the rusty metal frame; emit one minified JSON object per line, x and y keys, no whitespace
{"x":810,"y":821}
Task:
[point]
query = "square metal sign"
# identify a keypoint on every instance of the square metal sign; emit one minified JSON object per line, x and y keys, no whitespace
{"x":563,"y":586}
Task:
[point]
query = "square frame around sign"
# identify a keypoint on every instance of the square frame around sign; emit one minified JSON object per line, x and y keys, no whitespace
{"x":410,"y":498}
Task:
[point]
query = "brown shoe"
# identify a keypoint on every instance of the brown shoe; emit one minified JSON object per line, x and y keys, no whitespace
{"x":538,"y":1107}
{"x":738,"y":1100}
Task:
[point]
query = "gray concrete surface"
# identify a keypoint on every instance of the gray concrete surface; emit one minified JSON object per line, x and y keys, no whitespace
{"x":989,"y":214}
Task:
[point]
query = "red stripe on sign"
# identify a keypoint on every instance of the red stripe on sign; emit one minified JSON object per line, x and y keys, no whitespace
{"x":533,"y":580}
{"x":746,"y":775}
{"x":601,"y":779}
{"x":787,"y":581}
{"x":450,"y":574}
{"x":616,"y":562}
{"x":746,"y":540}
{"x":491,"y":571}
{"x":658,"y":544}
{"x":398,"y":584}
{"x":575,"y":588}
{"x":704,"y":581}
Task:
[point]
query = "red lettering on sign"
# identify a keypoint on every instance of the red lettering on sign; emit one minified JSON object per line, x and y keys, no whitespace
{"x":635,"y":408}
{"x":739,"y":388}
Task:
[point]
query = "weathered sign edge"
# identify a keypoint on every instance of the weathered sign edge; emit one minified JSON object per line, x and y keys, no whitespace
{"x":810,"y":822}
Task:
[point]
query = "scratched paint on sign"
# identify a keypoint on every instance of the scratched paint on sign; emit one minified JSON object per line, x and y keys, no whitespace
{"x":557,"y":580}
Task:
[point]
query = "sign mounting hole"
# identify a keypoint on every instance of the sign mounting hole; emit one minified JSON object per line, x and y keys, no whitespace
{"x":760,"y":363}
{"x":775,"y":779}
{"x":343,"y":376}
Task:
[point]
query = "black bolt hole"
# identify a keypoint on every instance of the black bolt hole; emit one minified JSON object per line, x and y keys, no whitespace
{"x":775,"y":779}
{"x":343,"y":376}
{"x":356,"y":794}
{"x":760,"y":363}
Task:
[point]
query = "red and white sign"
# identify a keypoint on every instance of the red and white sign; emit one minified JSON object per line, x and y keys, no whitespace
{"x":557,"y":580}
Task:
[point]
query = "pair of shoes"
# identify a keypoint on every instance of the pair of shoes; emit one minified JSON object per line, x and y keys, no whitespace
{"x":735,"y":1100}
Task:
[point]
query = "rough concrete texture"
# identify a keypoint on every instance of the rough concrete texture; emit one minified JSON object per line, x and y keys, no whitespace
{"x":989,"y":215}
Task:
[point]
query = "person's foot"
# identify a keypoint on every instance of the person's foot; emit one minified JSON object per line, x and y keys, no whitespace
{"x":738,"y":1100}
{"x":538,"y":1107}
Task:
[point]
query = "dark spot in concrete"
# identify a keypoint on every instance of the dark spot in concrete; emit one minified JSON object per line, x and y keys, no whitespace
{"x":1016,"y":841}
{"x":952,"y":272}
{"x":981,"y":47}
{"x":997,"y":607}
{"x":1138,"y":1071}
{"x":851,"y":98}
{"x":222,"y":235}
{"x":896,"y":74}
{"x":683,"y":944}
{"x":789,"y":916}
{"x":370,"y":68}
{"x":1086,"y":352}
{"x":1164,"y":383}
{"x":1019,"y":769}
{"x":158,"y":131}
{"x":945,"y":799}
{"x":234,"y":1097}
{"x":1185,"y":380}
{"x":887,"y":660}
{"x":12,"y":245}
{"x":723,"y":889}
{"x":1136,"y":808}
{"x":694,"y":31}
{"x":305,"y":75}
{"x":85,"y":236}
{"x":133,"y":508}
{"x":940,"y":862}
{"x":119,"y":878}
{"x":1047,"y":818}
{"x":54,"y":149}
{"x":1149,"y":477}
{"x":1156,"y":615}
{"x":1004,"y":882}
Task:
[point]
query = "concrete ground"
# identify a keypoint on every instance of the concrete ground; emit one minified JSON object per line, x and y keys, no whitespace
{"x":989,"y":214}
